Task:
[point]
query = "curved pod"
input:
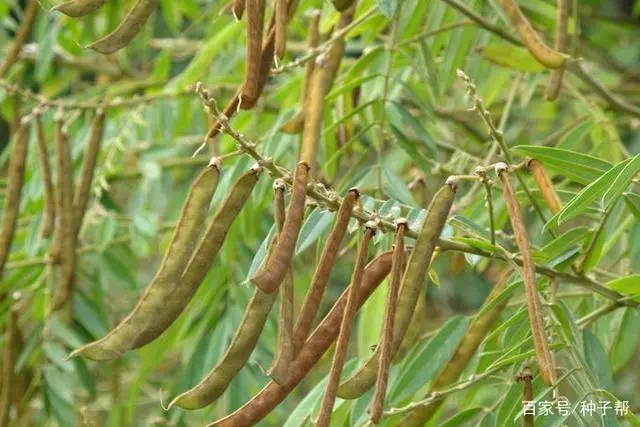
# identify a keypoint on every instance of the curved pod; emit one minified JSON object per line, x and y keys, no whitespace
{"x":79,"y":8}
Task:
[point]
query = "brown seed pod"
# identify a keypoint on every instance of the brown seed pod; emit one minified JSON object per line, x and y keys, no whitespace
{"x":255,"y":27}
{"x":155,"y":309}
{"x":530,"y":38}
{"x":13,"y":191}
{"x":313,"y":298}
{"x":49,"y":209}
{"x":234,"y":358}
{"x":526,"y":377}
{"x":386,"y":340}
{"x":79,"y":8}
{"x":284,"y":354}
{"x":64,"y":237}
{"x":555,"y":80}
{"x":238,"y":9}
{"x":412,"y":281}
{"x":478,"y":329}
{"x":91,"y":151}
{"x":543,"y":356}
{"x":545,"y":185}
{"x":128,"y":29}
{"x":21,"y":36}
{"x":281,"y":28}
{"x":317,"y":344}
{"x":271,"y":274}
{"x":350,"y":310}
{"x":8,"y":362}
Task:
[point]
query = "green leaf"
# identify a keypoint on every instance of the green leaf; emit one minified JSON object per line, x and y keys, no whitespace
{"x":388,"y":7}
{"x":316,"y":225}
{"x":597,"y":360}
{"x":400,"y":118}
{"x":626,"y":341}
{"x":462,"y":418}
{"x":579,"y":167}
{"x":632,"y":200}
{"x":627,"y":285}
{"x":510,"y":56}
{"x":622,"y":181}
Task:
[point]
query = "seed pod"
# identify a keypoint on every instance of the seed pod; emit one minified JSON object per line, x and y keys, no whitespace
{"x":387,"y":330}
{"x":49,"y":210}
{"x":21,"y":36}
{"x":284,"y":355}
{"x":271,"y":274}
{"x":350,"y":310}
{"x":161,"y":295}
{"x":342,"y":5}
{"x":255,"y":26}
{"x":79,"y":8}
{"x":555,"y":80}
{"x":281,"y":28}
{"x":8,"y":362}
{"x":317,"y":344}
{"x":530,"y":38}
{"x":313,"y":298}
{"x":478,"y":329}
{"x":412,"y":281}
{"x":545,"y":185}
{"x":128,"y":29}
{"x":543,"y":356}
{"x":294,"y":125}
{"x":238,"y":9}
{"x":64,"y":236}
{"x":13,"y":191}
{"x":526,"y":377}
{"x":234,"y":358}
{"x":92,"y":149}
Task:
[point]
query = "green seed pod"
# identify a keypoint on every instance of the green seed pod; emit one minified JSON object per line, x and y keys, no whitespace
{"x":271,"y":274}
{"x":412,"y":281}
{"x":79,"y":8}
{"x":317,"y":344}
{"x":49,"y":214}
{"x":160,"y":295}
{"x":13,"y":191}
{"x":128,"y":28}
{"x":313,"y":298}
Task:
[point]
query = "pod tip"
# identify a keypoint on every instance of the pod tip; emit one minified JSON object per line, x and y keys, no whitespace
{"x":501,"y":167}
{"x":355,"y":192}
{"x":216,"y":162}
{"x":452,"y":183}
{"x":279,"y":184}
{"x":401,"y":222}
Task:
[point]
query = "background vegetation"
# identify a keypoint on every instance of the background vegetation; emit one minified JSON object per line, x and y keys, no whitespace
{"x":398,"y":121}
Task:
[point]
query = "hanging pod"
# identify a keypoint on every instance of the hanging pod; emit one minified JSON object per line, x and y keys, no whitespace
{"x":49,"y":209}
{"x":79,"y":8}
{"x":128,"y":28}
{"x":252,"y":71}
{"x":13,"y":191}
{"x":545,"y":185}
{"x":317,"y":344}
{"x":155,"y":305}
{"x":412,"y":281}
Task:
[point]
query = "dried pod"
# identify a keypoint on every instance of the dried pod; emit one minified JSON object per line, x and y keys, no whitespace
{"x":530,"y":38}
{"x":545,"y":186}
{"x":412,"y":281}
{"x":128,"y":28}
{"x":477,"y":331}
{"x":255,"y":25}
{"x":543,"y":356}
{"x":340,"y":353}
{"x":555,"y":80}
{"x":397,"y":268}
{"x":271,"y":274}
{"x":13,"y":191}
{"x":49,"y":210}
{"x":83,"y":189}
{"x":317,"y":344}
{"x":282,"y":20}
{"x":161,"y":293}
{"x":284,"y":354}
{"x":79,"y":8}
{"x":238,"y":9}
{"x":313,"y":298}
{"x":21,"y":36}
{"x":8,"y":362}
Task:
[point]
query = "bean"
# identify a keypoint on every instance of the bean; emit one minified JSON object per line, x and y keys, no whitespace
{"x":317,"y":344}
{"x":543,"y":356}
{"x":545,"y":186}
{"x":271,"y":274}
{"x":397,"y":268}
{"x":20,"y":38}
{"x":471,"y":341}
{"x":238,"y":9}
{"x":284,"y":354}
{"x":313,"y":298}
{"x":49,"y":214}
{"x":255,"y":26}
{"x":79,"y":8}
{"x":13,"y":191}
{"x":555,"y":80}
{"x":544,"y":54}
{"x":91,"y":152}
{"x":64,"y":236}
{"x":281,"y":28}
{"x":346,"y":323}
{"x":128,"y":28}
{"x":8,"y":362}
{"x":412,"y":281}
{"x":156,"y":303}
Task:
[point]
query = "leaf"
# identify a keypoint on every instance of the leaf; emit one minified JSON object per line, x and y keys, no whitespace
{"x":564,"y":242}
{"x":627,"y":285}
{"x":626,"y":341}
{"x":400,"y":118}
{"x":510,"y":56}
{"x":622,"y":181}
{"x":632,"y":200}
{"x":315,"y":226}
{"x":462,"y":418}
{"x":574,"y":137}
{"x":597,"y":360}
{"x":388,"y":7}
{"x":579,"y":167}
